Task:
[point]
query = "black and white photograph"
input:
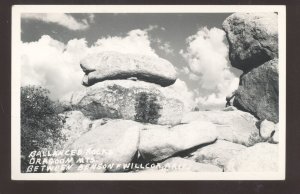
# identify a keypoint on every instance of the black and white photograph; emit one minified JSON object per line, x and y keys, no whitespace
{"x":148,"y":92}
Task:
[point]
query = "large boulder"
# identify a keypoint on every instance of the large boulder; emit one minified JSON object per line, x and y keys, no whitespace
{"x":160,"y":142}
{"x":262,"y":157}
{"x":111,"y":144}
{"x":258,"y":91}
{"x":218,"y":153}
{"x":114,"y":65}
{"x":252,"y":38}
{"x":234,"y":126}
{"x":130,"y":100}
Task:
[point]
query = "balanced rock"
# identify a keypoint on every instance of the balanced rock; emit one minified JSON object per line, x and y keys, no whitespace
{"x":267,"y":129}
{"x":160,"y":142}
{"x":234,"y":126}
{"x":112,"y":143}
{"x":262,"y":157}
{"x":114,"y":65}
{"x":218,"y":153}
{"x":129,"y":100}
{"x":252,"y":38}
{"x":258,"y":91}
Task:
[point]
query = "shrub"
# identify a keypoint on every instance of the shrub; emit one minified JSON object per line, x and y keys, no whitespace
{"x":147,"y":108}
{"x":40,"y":123}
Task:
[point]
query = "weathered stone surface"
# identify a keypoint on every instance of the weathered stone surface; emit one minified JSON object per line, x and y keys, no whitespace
{"x":218,"y":153}
{"x":252,"y":38}
{"x":130,"y":100}
{"x":114,"y":142}
{"x":234,"y":126}
{"x":267,"y":129}
{"x":114,"y":65}
{"x":159,"y":142}
{"x":262,"y":157}
{"x":258,"y":92}
{"x":74,"y":125}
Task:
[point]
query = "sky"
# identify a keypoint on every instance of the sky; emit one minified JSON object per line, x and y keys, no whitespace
{"x":53,"y":45}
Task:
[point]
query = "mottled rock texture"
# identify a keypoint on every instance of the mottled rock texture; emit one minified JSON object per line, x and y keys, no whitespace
{"x":114,"y":65}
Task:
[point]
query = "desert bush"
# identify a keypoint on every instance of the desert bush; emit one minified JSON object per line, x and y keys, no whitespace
{"x":40,"y":122}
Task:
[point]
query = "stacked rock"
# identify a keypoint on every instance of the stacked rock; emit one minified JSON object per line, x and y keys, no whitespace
{"x":253,"y":46}
{"x":128,"y":86}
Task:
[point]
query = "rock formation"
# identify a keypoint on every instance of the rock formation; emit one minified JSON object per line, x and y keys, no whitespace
{"x":252,"y":38}
{"x":111,"y":95}
{"x":114,"y":65}
{"x":128,"y":111}
{"x":253,"y":48}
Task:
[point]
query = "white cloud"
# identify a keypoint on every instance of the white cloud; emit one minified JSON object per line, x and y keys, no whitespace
{"x":184,"y":70}
{"x":58,"y":18}
{"x":194,"y":77}
{"x":180,"y":91}
{"x":91,"y":17}
{"x":136,"y":41}
{"x":206,"y":55}
{"x":166,"y":47}
{"x":55,"y":65}
{"x":52,"y":64}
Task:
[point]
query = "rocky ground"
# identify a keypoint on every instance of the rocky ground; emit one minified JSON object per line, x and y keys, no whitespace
{"x":131,"y":111}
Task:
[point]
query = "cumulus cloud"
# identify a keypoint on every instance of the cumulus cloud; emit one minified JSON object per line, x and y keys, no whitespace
{"x":55,"y":65}
{"x":166,"y":47}
{"x":52,"y":64}
{"x":180,"y":91}
{"x":62,"y":19}
{"x":206,"y":55}
{"x":136,"y":41}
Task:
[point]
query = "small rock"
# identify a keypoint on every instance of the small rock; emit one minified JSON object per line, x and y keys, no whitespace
{"x":267,"y":129}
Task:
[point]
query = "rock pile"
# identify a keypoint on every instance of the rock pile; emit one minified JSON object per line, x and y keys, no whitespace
{"x":253,"y":47}
{"x":128,"y":87}
{"x":127,"y":110}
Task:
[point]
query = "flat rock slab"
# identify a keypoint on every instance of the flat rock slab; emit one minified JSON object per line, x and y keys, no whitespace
{"x":114,"y":65}
{"x":158,"y":142}
{"x":218,"y":153}
{"x":258,"y":92}
{"x":234,"y":126}
{"x":262,"y":157}
{"x":252,"y":38}
{"x":129,"y":100}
